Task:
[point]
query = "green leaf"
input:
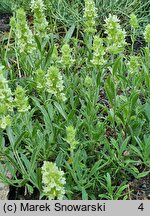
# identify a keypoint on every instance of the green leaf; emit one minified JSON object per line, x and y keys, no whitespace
{"x":30,"y":188}
{"x":18,"y":140}
{"x":39,"y":178}
{"x":143,"y":174}
{"x":116,"y":65}
{"x":34,"y":158}
{"x":120,"y":190}
{"x":137,"y":151}
{"x":69,"y":34}
{"x":84,"y":194}
{"x":12,"y":161}
{"x":44,"y":112}
{"x":60,"y":109}
{"x":10,"y":136}
{"x":109,"y":184}
{"x":147,"y":111}
{"x":95,"y":168}
{"x":60,"y":158}
{"x":110,"y":90}
{"x":124,"y":145}
{"x":133,"y":98}
{"x":38,"y":43}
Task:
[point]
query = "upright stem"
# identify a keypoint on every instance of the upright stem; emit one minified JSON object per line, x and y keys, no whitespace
{"x":114,"y":108}
{"x":8,"y":43}
{"x":133,"y":40}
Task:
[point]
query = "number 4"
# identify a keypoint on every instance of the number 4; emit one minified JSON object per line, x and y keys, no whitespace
{"x":141,"y":207}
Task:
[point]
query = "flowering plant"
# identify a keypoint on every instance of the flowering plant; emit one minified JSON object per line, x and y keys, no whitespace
{"x":53,"y":181}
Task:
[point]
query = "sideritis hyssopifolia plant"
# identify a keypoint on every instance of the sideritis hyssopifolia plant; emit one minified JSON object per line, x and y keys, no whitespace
{"x":115,"y":35}
{"x":98,"y":52}
{"x":90,"y":14}
{"x":85,"y":84}
{"x":54,"y":83}
{"x":133,"y":65}
{"x":134,"y":25}
{"x":66,"y":59}
{"x":134,"y":21}
{"x":40,"y":80}
{"x":53,"y":181}
{"x":50,"y":82}
{"x":23,"y":35}
{"x":70,"y":139}
{"x":21,"y":100}
{"x":6,"y":101}
{"x":147,"y":34}
{"x":40,"y":22}
{"x":10,"y":100}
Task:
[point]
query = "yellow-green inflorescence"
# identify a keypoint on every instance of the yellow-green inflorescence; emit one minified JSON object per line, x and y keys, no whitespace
{"x":70,"y":139}
{"x":21,"y":100}
{"x":50,"y":81}
{"x":53,"y":181}
{"x":9,"y":101}
{"x":90,"y":14}
{"x":23,"y":35}
{"x":98,"y":52}
{"x":6,"y":101}
{"x":88,"y":82}
{"x":133,"y":64}
{"x":66,"y":59}
{"x":147,"y":33}
{"x":134,"y":21}
{"x":40,"y":79}
{"x":54,"y":56}
{"x":54,"y":83}
{"x":115,"y":35}
{"x":40,"y":22}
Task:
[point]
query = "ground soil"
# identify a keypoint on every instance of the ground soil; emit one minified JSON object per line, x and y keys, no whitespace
{"x":4,"y":22}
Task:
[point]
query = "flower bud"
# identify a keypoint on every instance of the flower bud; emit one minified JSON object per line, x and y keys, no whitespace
{"x":134,"y":21}
{"x":147,"y":33}
{"x":40,"y":22}
{"x":88,"y":81}
{"x":6,"y":101}
{"x":55,"y":54}
{"x":90,"y":15}
{"x":21,"y":101}
{"x":99,"y":52}
{"x":40,"y":79}
{"x":66,"y":55}
{"x":133,"y":65}
{"x":71,"y":140}
{"x":54,"y":83}
{"x":115,"y":35}
{"x":23,"y":34}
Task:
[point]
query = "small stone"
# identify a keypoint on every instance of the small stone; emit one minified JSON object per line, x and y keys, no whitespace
{"x":4,"y":190}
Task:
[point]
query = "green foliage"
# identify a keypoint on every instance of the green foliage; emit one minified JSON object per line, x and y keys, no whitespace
{"x":6,"y":6}
{"x":74,"y":110}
